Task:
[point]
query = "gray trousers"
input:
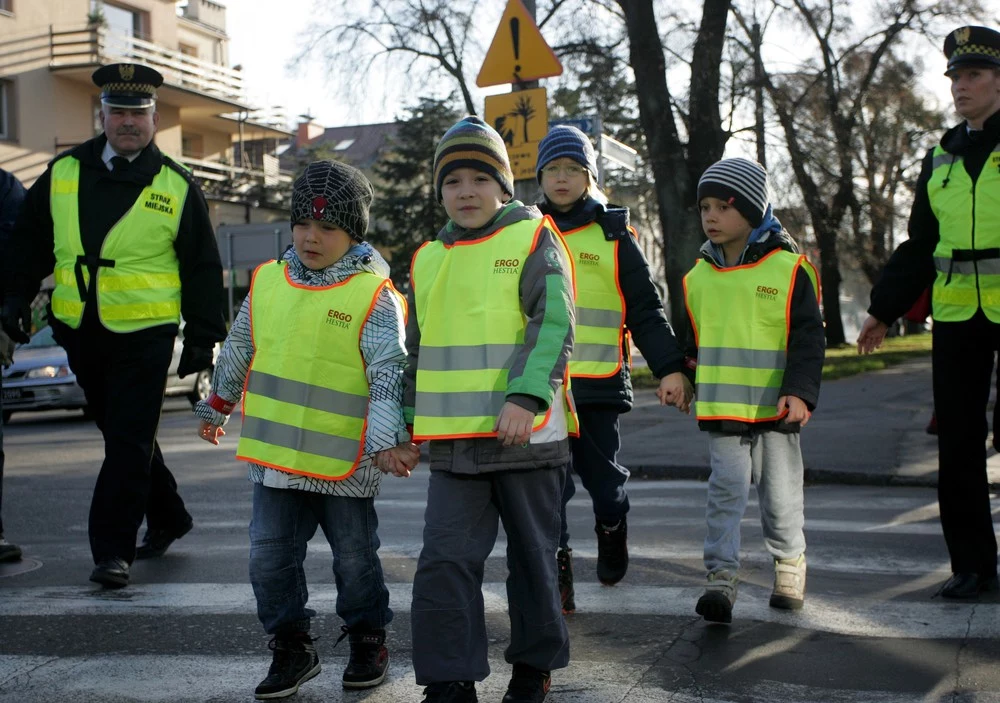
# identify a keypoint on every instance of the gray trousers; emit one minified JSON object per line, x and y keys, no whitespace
{"x":774,"y":459}
{"x":460,"y":529}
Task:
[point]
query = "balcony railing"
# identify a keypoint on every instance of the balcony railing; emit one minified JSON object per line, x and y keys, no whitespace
{"x":90,"y":45}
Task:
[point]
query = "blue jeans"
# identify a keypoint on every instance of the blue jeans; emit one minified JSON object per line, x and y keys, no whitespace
{"x":774,"y":459}
{"x":283,"y":521}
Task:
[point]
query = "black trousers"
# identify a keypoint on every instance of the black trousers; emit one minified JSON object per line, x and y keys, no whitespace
{"x":963,"y":359}
{"x":1,"y":457}
{"x":123,"y":377}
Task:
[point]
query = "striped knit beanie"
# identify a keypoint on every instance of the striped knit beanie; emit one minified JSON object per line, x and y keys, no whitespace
{"x":740,"y":182}
{"x":471,"y":143}
{"x":568,"y":141}
{"x":333,"y":192}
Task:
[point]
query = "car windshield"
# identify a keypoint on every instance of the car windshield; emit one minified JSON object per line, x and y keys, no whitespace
{"x":41,"y":339}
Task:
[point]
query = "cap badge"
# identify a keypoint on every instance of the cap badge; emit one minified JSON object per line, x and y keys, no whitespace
{"x":319,"y":208}
{"x":962,"y":35}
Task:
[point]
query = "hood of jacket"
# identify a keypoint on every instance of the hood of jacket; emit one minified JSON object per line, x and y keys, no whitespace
{"x":513,"y":211}
{"x":361,"y":257}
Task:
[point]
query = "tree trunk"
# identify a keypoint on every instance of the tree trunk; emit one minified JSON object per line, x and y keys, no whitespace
{"x":675,"y":173}
{"x":829,"y":276}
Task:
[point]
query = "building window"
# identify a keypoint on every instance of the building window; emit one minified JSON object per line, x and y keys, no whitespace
{"x":6,"y":110}
{"x":7,"y":6}
{"x":188,"y":50}
{"x":192,"y":145}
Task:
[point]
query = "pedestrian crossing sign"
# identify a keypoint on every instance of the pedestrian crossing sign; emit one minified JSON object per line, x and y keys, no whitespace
{"x":518,"y":52}
{"x":522,"y":119}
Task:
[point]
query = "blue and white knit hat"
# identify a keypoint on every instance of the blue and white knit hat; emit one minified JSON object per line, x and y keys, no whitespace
{"x":566,"y":140}
{"x":740,"y":182}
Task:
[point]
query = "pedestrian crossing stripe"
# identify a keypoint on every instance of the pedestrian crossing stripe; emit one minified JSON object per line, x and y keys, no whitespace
{"x":847,"y":615}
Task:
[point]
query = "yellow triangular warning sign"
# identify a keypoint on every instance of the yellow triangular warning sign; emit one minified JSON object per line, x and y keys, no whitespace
{"x":518,"y":52}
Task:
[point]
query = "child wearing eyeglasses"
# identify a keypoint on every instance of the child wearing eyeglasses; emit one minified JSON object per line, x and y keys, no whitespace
{"x":615,"y":299}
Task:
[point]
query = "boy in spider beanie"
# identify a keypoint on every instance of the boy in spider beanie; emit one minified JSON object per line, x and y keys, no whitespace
{"x":333,"y":192}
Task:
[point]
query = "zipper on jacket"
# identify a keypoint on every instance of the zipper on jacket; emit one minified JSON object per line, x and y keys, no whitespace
{"x":975,"y":263}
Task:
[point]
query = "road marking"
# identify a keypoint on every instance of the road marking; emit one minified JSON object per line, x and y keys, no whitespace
{"x":825,"y":613}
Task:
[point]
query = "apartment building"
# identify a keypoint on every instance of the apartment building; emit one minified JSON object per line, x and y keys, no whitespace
{"x":50,"y":48}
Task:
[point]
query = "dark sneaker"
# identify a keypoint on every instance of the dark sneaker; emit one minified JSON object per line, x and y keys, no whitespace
{"x":612,"y":552}
{"x":295,"y":662}
{"x":369,"y":658}
{"x":451,"y":692}
{"x":968,"y":585}
{"x":111,"y":573}
{"x":156,"y":542}
{"x":8,"y":551}
{"x":564,"y":557}
{"x":527,"y":685}
{"x":716,"y":603}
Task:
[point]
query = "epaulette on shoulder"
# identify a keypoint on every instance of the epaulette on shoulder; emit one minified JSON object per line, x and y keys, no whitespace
{"x":181,"y":169}
{"x":614,"y":221}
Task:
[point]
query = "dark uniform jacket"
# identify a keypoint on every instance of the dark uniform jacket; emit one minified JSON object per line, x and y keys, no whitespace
{"x":105,"y":197}
{"x":11,"y":198}
{"x":910,"y":269}
{"x":645,"y":318}
{"x":806,"y":340}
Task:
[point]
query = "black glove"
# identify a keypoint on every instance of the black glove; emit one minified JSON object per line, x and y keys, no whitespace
{"x":16,"y":319}
{"x":194,"y":359}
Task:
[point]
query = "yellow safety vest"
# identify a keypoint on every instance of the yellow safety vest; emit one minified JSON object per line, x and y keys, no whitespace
{"x":967,"y":257}
{"x":305,"y":404}
{"x":741,"y":366}
{"x":138,"y":284}
{"x":471,"y":327}
{"x":600,"y":306}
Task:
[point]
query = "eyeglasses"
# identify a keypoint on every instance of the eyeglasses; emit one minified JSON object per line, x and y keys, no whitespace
{"x":571,"y":171}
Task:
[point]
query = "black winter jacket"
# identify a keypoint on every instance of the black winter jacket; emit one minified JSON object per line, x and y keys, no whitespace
{"x":910,"y":269}
{"x":11,"y":197}
{"x":806,"y":340}
{"x":105,"y":197}
{"x":645,"y":318}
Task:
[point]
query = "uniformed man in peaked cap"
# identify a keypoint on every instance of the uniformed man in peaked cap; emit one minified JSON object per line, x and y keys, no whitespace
{"x":954,"y":246}
{"x":126,"y":233}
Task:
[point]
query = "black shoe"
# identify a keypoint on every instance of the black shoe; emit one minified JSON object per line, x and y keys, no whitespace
{"x":8,"y":551}
{"x":295,"y":662}
{"x":451,"y":692}
{"x":612,"y":552}
{"x":156,"y":542}
{"x":527,"y":685}
{"x":369,"y":658}
{"x":111,"y":573}
{"x":967,"y":584}
{"x":564,"y":558}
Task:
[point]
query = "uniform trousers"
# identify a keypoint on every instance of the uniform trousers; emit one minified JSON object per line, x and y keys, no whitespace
{"x":963,"y":361}
{"x":123,"y":377}
{"x":448,"y":615}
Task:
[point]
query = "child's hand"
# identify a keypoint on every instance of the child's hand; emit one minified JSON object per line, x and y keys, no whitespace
{"x":399,"y":460}
{"x":513,"y":424}
{"x":872,"y":335}
{"x":797,"y":410}
{"x":210,"y":433}
{"x":675,"y":390}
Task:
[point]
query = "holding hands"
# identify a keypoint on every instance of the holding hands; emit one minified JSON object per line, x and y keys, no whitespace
{"x":872,"y":335}
{"x":675,"y":389}
{"x":399,"y":460}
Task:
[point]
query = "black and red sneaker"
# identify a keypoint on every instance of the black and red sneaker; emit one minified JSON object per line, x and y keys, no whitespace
{"x":527,"y":685}
{"x":564,"y":558}
{"x":369,"y":662}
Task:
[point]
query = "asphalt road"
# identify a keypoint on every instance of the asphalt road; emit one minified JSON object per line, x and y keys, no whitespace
{"x":186,"y":629}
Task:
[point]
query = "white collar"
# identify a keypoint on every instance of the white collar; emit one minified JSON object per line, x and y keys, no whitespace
{"x":110,"y":153}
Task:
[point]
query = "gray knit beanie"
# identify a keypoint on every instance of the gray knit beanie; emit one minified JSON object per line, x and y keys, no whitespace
{"x":330,"y":191}
{"x":740,"y":182}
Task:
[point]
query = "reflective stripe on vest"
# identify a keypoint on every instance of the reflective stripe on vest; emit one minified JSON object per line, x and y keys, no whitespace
{"x":471,"y":326}
{"x":138,"y":283}
{"x":967,"y":256}
{"x":600,"y":306}
{"x":305,"y":404}
{"x":741,"y":367}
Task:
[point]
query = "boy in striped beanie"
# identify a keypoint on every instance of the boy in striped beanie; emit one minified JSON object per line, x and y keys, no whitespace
{"x":471,"y":143}
{"x":756,"y":343}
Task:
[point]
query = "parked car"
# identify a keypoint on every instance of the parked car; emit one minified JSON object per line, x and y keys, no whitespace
{"x":40,"y":378}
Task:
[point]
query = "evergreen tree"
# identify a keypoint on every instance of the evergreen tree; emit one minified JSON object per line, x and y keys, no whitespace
{"x":406,"y":213}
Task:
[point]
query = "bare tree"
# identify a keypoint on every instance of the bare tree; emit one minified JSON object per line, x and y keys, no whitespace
{"x":420,"y":37}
